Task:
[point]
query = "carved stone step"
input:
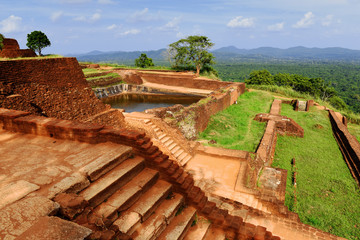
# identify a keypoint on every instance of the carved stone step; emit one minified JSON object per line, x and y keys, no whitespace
{"x":199,"y":230}
{"x":108,"y":184}
{"x":178,"y":153}
{"x":127,"y":195}
{"x":215,"y":234}
{"x":165,"y":139}
{"x":173,"y":151}
{"x":162,"y":136}
{"x":143,"y":208}
{"x":168,"y":143}
{"x":171,"y":147}
{"x":155,"y":225}
{"x":186,"y":160}
{"x":179,"y":225}
{"x":106,"y":162}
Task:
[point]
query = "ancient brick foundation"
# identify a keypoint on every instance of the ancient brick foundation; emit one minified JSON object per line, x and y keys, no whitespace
{"x":348,"y":144}
{"x":24,"y":122}
{"x":183,"y":80}
{"x":12,"y":50}
{"x":195,"y":118}
{"x":48,"y":87}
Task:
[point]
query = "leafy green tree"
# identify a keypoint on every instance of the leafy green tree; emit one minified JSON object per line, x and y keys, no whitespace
{"x":143,"y":61}
{"x":1,"y":41}
{"x":37,"y":40}
{"x":260,"y":77}
{"x":192,"y":52}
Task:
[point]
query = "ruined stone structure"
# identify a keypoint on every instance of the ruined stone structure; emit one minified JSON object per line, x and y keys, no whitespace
{"x":53,"y":87}
{"x":85,"y":173}
{"x":12,"y":50}
{"x":348,"y":144}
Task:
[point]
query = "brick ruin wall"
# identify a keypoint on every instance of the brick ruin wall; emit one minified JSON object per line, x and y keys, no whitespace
{"x":11,"y":44}
{"x":183,"y":80}
{"x":53,"y":87}
{"x":348,"y":144}
{"x":12,"y":50}
{"x":7,"y":53}
{"x":194,"y":119}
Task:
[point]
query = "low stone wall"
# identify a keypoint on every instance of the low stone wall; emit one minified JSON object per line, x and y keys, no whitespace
{"x":19,"y":53}
{"x":131,"y":88}
{"x":348,"y":144}
{"x":193,"y":119}
{"x":182,"y":80}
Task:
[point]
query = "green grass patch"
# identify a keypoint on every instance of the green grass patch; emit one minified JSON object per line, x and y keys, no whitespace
{"x":327,"y":196}
{"x":92,"y":70}
{"x":29,"y":58}
{"x":234,"y":128}
{"x":115,"y":75}
{"x":354,"y":129}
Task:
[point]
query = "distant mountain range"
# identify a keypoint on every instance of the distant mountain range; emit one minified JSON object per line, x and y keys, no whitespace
{"x":233,"y":54}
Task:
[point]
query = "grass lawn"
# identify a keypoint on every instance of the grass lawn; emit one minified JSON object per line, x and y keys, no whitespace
{"x":115,"y":75}
{"x":328,"y":197}
{"x":234,"y":128}
{"x":354,"y":129}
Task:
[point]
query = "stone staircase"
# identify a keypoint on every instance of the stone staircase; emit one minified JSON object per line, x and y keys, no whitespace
{"x":129,"y":201}
{"x":179,"y":154}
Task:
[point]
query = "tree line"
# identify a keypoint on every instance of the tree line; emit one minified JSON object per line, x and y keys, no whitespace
{"x":315,"y":87}
{"x":344,"y":77}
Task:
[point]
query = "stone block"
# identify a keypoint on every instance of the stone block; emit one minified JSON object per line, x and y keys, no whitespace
{"x":55,"y":228}
{"x":70,"y":204}
{"x":16,"y":218}
{"x":72,"y":184}
{"x":15,"y":191}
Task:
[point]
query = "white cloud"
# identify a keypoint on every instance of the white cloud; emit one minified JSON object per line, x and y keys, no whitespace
{"x":306,"y":21}
{"x":11,"y":24}
{"x":142,"y":16}
{"x":106,"y":2}
{"x":93,"y":18}
{"x":56,"y":15}
{"x":111,"y":27}
{"x":327,"y":20}
{"x":172,"y":25}
{"x":242,"y":22}
{"x":276,"y":27}
{"x":130,"y":32}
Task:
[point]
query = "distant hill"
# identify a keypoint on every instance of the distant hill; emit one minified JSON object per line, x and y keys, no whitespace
{"x":119,"y":56}
{"x":295,"y":53}
{"x":233,"y":54}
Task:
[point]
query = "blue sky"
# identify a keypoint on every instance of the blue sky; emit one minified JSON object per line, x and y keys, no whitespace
{"x":79,"y":26}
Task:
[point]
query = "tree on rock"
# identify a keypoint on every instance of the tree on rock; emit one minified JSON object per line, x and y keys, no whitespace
{"x":1,"y":41}
{"x":143,"y":61}
{"x":37,"y":40}
{"x":192,"y":52}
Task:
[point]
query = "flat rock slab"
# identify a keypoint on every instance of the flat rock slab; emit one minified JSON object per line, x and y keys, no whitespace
{"x":16,"y":218}
{"x":15,"y":191}
{"x":54,"y":228}
{"x":45,"y":161}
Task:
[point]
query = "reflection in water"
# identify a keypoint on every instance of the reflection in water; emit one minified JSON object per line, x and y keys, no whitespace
{"x":141,"y":102}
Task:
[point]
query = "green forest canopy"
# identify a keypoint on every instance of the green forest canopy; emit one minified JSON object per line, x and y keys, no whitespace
{"x":344,"y":77}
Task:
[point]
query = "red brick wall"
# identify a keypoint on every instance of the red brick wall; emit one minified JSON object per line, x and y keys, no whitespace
{"x":10,"y":53}
{"x":10,"y":43}
{"x":183,"y":80}
{"x":348,"y":144}
{"x":50,"y":87}
{"x":202,"y":112}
